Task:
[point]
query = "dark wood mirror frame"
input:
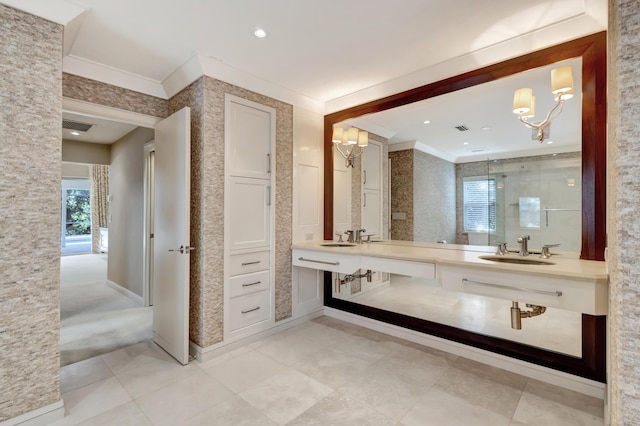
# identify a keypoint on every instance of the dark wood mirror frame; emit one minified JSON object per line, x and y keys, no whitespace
{"x":592,"y":50}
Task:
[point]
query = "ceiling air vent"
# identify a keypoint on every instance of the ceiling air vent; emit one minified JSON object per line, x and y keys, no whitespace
{"x":477,"y":150}
{"x":74,"y":125}
{"x":462,"y":128}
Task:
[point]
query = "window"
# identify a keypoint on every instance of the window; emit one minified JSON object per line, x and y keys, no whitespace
{"x":479,"y":200}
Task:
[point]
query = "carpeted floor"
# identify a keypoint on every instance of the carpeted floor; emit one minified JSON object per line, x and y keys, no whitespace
{"x":95,"y":318}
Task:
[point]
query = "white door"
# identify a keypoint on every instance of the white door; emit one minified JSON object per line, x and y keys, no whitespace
{"x":171,"y":235}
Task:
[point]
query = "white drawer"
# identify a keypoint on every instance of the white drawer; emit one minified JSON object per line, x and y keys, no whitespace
{"x":250,"y":309}
{"x":248,"y":262}
{"x":248,"y":283}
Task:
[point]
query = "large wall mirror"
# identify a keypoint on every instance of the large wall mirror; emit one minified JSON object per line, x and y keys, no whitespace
{"x":569,"y":209}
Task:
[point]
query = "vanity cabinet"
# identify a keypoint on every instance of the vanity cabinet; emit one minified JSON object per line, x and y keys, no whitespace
{"x":249,"y":218}
{"x":588,"y":296}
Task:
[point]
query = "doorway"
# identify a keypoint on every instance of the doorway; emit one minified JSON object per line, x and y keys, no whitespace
{"x":101,"y":292}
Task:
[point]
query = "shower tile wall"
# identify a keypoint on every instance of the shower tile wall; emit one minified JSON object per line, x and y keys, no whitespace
{"x":553,"y":179}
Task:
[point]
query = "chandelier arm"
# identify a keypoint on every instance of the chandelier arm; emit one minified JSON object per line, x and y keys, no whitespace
{"x":556,"y":110}
{"x":345,"y":156}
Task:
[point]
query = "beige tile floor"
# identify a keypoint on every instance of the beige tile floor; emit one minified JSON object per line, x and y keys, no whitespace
{"x":323,"y":372}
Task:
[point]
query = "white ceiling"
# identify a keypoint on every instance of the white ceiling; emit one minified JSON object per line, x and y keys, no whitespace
{"x":321,"y":55}
{"x":102,"y":131}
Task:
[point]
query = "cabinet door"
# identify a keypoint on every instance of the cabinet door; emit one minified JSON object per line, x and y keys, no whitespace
{"x":249,"y":128}
{"x":372,"y":212}
{"x":341,"y":195}
{"x":372,"y":165}
{"x":249,"y":213}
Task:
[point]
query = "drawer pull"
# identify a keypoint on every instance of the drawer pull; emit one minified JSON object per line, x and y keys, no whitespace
{"x":250,"y":284}
{"x":319,"y":261}
{"x":506,"y":287}
{"x":251,"y":310}
{"x":255,"y":262}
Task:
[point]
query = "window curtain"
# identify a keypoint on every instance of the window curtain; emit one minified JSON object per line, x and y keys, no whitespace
{"x":99,"y":203}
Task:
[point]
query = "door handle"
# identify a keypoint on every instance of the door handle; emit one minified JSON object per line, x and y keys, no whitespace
{"x":184,"y":249}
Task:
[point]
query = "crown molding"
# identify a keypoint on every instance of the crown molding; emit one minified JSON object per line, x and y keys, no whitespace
{"x":570,"y":29}
{"x":200,"y":65}
{"x":95,"y":71}
{"x":59,"y":11}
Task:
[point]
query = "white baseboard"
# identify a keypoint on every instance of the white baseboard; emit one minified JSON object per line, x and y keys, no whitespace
{"x":125,"y":291}
{"x":41,"y":417}
{"x":210,"y":352}
{"x":544,"y":374}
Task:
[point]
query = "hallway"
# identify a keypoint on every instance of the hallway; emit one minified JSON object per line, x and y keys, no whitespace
{"x":96,"y":318}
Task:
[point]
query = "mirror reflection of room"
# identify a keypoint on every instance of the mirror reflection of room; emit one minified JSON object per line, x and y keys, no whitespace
{"x":461,"y":169}
{"x":439,"y":147}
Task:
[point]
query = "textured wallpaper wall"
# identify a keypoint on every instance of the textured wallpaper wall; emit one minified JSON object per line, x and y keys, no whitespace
{"x":623,"y":202}
{"x":30,"y":165}
{"x":206,"y":97}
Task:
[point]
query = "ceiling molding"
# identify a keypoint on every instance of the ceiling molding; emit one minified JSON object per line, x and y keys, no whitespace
{"x":570,"y":29}
{"x":58,"y":11}
{"x":215,"y":68}
{"x":109,"y":113}
{"x":116,"y":77}
{"x":182,"y":77}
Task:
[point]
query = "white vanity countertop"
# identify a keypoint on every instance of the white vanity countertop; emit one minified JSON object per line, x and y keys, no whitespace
{"x":564,"y":265}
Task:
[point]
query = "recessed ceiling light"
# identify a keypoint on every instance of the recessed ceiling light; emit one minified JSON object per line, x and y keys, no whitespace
{"x":486,"y":128}
{"x":549,"y":142}
{"x":75,"y":133}
{"x":426,"y":122}
{"x":260,"y":33}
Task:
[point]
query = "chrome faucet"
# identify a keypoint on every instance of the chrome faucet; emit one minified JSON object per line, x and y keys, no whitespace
{"x":501,"y":249}
{"x":545,"y":254}
{"x":349,"y":232}
{"x":524,"y":250}
{"x":358,"y":237}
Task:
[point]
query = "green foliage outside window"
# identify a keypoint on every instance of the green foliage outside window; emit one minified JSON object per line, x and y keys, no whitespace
{"x":78,"y":220}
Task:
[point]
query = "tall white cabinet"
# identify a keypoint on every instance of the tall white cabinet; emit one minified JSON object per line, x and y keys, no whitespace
{"x":372,"y":189}
{"x":249,"y":217}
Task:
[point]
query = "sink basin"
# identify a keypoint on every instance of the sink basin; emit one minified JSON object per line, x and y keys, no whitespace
{"x":517,"y":260}
{"x":338,"y":245}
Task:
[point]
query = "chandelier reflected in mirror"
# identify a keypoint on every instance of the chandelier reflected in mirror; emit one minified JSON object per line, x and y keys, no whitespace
{"x":349,"y":143}
{"x":524,"y":103}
